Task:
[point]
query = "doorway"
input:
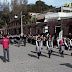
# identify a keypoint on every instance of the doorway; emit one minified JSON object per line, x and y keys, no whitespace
{"x":57,"y":29}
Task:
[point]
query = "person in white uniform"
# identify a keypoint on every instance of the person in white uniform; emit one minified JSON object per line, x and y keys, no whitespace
{"x":50,"y":45}
{"x":38,"y":43}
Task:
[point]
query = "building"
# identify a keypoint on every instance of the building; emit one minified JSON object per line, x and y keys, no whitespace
{"x":46,"y":22}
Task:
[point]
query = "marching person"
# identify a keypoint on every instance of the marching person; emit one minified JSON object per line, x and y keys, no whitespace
{"x":71,"y":46}
{"x":66,"y":43}
{"x":5,"y":42}
{"x":47,"y":38}
{"x":24,"y":37}
{"x":18,"y":41}
{"x":62,"y":47}
{"x":58,"y":42}
{"x":41,"y":41}
{"x":44,"y":40}
{"x":38,"y":43}
{"x":37,"y":35}
{"x":50,"y":45}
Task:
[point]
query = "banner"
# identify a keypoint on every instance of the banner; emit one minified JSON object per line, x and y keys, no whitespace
{"x":60,"y":33}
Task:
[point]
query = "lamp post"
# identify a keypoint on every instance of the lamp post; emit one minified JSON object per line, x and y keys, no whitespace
{"x":21,"y":24}
{"x":16,"y":16}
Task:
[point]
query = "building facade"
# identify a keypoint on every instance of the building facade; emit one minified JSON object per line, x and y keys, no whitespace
{"x":46,"y":22}
{"x":52,"y":26}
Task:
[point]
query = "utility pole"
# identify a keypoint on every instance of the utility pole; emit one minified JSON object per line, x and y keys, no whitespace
{"x":21,"y":24}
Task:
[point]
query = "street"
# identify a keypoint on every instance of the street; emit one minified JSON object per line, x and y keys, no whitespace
{"x":24,"y":59}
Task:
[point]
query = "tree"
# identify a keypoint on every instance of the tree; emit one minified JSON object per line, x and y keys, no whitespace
{"x":39,"y":6}
{"x":4,"y":15}
{"x":18,"y":5}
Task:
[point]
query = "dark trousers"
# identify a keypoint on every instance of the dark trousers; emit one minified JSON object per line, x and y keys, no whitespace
{"x":44,"y":43}
{"x":6,"y":54}
{"x":24,"y":42}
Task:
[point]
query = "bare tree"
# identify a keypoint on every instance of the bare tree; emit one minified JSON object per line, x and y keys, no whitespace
{"x":18,"y":6}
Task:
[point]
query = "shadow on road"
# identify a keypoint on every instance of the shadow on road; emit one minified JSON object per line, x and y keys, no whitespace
{"x":44,"y":52}
{"x":64,"y":53}
{"x":2,"y":58}
{"x":56,"y":55}
{"x":33,"y":51}
{"x":44,"y":55}
{"x":67,"y":64}
{"x":52,"y":53}
{"x":41,"y":53}
{"x":31,"y":55}
{"x":19,"y":45}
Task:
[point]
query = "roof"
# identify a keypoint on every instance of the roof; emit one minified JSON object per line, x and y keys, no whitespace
{"x":39,"y":18}
{"x":61,"y":15}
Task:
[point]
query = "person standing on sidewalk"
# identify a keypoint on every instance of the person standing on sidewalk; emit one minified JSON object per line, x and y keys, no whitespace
{"x":5,"y":42}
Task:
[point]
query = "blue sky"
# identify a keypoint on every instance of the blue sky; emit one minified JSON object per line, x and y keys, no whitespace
{"x":55,"y":3}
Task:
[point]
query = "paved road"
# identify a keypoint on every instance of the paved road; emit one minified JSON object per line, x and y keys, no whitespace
{"x":24,"y":59}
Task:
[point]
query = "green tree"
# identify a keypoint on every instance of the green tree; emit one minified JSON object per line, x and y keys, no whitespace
{"x":4,"y":15}
{"x":39,"y":6}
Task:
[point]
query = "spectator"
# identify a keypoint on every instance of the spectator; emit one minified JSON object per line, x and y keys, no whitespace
{"x":5,"y":42}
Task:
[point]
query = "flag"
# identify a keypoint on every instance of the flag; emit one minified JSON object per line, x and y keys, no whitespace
{"x":60,"y":33}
